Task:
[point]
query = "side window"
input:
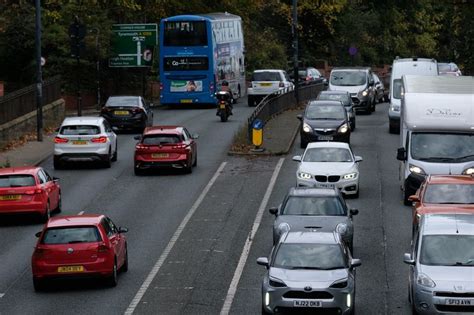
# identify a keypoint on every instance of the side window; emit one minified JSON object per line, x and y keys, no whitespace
{"x":107,"y":126}
{"x":112,"y":226}
{"x":48,"y":177}
{"x":107,"y":228}
{"x":317,"y":73}
{"x":186,"y":132}
{"x":185,"y":135}
{"x":42,"y":177}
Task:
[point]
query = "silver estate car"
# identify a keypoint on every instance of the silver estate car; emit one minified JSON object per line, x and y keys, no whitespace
{"x":314,"y":209}
{"x":309,"y":271}
{"x":441,"y":277}
{"x":85,"y":139}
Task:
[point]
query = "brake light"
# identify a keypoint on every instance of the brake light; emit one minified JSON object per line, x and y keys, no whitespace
{"x":106,"y":109}
{"x":99,"y":140}
{"x":136,"y":110}
{"x":39,"y":251}
{"x":60,"y":140}
{"x":308,"y":78}
{"x":281,"y":84}
{"x":34,"y":191}
{"x":179,"y":146}
{"x":141,"y":147}
{"x":102,"y":248}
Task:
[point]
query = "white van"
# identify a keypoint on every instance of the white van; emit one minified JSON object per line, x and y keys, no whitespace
{"x":405,"y":66}
{"x":437,"y":129}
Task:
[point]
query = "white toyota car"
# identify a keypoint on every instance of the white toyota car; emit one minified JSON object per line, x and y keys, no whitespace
{"x":329,"y":165}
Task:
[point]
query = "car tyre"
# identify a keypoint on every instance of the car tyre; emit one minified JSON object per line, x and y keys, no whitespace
{"x":47,"y":213}
{"x":303,"y":144}
{"x":189,"y":168}
{"x":407,"y":193}
{"x":112,"y":280}
{"x":264,"y":311}
{"x":353,"y":125}
{"x":125,"y":263}
{"x":108,"y":160}
{"x":138,"y":171}
{"x":195,"y":160}
{"x":356,"y":195}
{"x":115,"y":156}
{"x":38,"y":284}
{"x":58,"y":208}
{"x":392,"y":128}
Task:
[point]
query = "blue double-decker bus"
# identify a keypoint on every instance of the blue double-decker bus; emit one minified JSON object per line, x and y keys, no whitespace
{"x":197,"y":53}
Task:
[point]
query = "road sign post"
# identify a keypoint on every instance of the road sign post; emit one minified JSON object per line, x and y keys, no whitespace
{"x":133,"y":45}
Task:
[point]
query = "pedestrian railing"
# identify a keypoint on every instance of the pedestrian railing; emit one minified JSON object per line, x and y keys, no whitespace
{"x":284,"y":99}
{"x":23,"y":101}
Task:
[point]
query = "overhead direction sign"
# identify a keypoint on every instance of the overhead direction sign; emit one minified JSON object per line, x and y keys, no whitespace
{"x":133,"y":45}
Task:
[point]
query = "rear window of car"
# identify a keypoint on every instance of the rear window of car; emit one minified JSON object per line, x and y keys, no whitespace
{"x":71,"y":235}
{"x":334,"y":97}
{"x":79,"y":130}
{"x":266,"y":76}
{"x":325,"y":112}
{"x":17,"y":181}
{"x":314,"y":206}
{"x":161,"y":139}
{"x":122,"y":101}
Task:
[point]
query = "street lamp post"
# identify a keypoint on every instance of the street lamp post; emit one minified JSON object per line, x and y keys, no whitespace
{"x":295,"y":48}
{"x":39,"y":75}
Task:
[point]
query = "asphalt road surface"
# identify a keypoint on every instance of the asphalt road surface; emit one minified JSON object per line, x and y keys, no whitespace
{"x":194,"y":239}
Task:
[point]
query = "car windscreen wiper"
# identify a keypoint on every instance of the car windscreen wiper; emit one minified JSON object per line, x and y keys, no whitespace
{"x":469,"y":262}
{"x":307,"y":268}
{"x":75,"y":242}
{"x":460,"y":158}
{"x":437,"y":159}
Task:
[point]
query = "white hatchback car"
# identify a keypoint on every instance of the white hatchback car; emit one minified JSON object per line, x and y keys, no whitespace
{"x":265,"y":82}
{"x":329,"y":165}
{"x":85,"y":139}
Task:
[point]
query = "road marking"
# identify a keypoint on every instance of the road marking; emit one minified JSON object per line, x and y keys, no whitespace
{"x":246,"y":250}
{"x":81,"y":213}
{"x":2,"y":295}
{"x":141,"y":292}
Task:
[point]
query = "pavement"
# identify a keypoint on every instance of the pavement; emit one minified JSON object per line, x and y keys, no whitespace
{"x":278,"y":136}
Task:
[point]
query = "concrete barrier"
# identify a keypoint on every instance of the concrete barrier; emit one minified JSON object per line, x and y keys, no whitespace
{"x":53,"y":115}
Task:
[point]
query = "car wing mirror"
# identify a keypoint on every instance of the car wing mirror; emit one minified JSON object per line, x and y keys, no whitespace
{"x":137,"y":138}
{"x":354,"y":212}
{"x":122,"y":229}
{"x":414,"y":198}
{"x":401,"y":154}
{"x":262,"y":261}
{"x":273,"y":210}
{"x":356,"y":263}
{"x":299,"y":116}
{"x":38,"y":234}
{"x":297,"y":158}
{"x":407,"y":259}
{"x":358,"y":158}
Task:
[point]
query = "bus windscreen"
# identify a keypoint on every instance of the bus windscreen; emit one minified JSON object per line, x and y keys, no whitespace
{"x":185,"y":33}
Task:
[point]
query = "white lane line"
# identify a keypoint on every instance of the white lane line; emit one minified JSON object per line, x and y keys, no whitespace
{"x":246,"y":250}
{"x":2,"y":295}
{"x":81,"y":213}
{"x":141,"y":292}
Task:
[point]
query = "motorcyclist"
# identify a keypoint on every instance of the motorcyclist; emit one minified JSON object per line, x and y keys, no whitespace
{"x":226,"y":88}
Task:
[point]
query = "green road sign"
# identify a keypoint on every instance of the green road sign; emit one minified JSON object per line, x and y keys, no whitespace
{"x":133,"y":45}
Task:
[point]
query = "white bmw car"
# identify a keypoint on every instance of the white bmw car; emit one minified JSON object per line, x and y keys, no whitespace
{"x":329,"y":165}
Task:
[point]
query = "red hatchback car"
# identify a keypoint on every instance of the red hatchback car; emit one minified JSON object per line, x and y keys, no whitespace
{"x":79,"y":246}
{"x":165,"y":147}
{"x":443,"y":194}
{"x":29,"y":190}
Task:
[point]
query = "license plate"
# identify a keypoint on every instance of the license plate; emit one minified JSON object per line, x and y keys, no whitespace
{"x":186,"y":101}
{"x":79,"y":142}
{"x":121,"y":112}
{"x":71,"y":269}
{"x":325,"y":138}
{"x":159,"y":155}
{"x":324,"y":185}
{"x":265,"y":84}
{"x":222,"y":106}
{"x":459,"y":302}
{"x":10,"y":197}
{"x":307,"y":303}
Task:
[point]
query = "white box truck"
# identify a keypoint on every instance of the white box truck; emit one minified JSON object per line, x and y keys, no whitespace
{"x":400,"y":67}
{"x":437,"y":128}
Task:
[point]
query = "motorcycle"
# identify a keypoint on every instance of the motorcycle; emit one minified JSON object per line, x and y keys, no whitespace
{"x":224,"y":107}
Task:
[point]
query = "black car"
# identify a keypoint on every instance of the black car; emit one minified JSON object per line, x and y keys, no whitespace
{"x":127,"y":112}
{"x":324,"y":121}
{"x":345,"y":98}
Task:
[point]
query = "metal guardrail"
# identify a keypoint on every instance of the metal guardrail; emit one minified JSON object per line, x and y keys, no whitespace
{"x":23,"y":101}
{"x":280,"y":101}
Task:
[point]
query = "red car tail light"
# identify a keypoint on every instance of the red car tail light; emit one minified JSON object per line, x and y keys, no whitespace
{"x":141,"y":147}
{"x":137,"y":110}
{"x":281,"y":84}
{"x":99,"y":140}
{"x":60,"y":140}
{"x":39,"y":251}
{"x":179,"y":146}
{"x":34,"y":191}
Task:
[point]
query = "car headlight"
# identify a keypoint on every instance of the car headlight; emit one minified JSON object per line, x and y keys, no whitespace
{"x":365,"y":93}
{"x":339,"y":284}
{"x":306,"y":127}
{"x":350,"y":176}
{"x":343,"y":129}
{"x":468,"y":171}
{"x":304,"y":175}
{"x":395,"y":108}
{"x":425,"y":281}
{"x":416,"y":170}
{"x":267,"y":298}
{"x":342,"y":229}
{"x":276,"y":283}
